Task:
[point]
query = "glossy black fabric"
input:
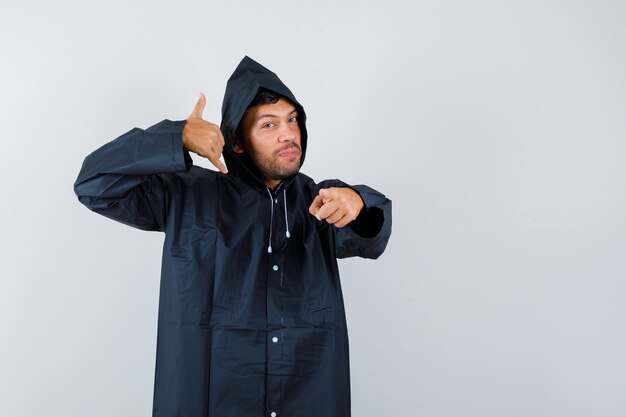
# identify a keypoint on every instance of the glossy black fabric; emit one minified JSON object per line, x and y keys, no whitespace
{"x":242,"y":332}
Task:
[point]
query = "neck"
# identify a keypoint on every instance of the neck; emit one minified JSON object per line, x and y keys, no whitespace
{"x":271,"y":184}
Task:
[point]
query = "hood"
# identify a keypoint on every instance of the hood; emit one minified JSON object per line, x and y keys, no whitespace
{"x":241,"y":88}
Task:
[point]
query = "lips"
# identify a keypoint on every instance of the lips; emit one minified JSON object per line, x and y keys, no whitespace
{"x":290,"y":153}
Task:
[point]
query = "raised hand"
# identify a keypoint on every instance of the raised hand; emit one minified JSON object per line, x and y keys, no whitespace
{"x":338,"y":206}
{"x":202,"y":137}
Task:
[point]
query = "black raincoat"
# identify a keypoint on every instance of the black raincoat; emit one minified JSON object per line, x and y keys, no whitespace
{"x":251,"y":315}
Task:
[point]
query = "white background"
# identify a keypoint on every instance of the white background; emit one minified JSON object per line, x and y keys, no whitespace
{"x":496,"y":127}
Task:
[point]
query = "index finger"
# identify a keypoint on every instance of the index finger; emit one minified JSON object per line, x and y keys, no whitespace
{"x":316,"y":205}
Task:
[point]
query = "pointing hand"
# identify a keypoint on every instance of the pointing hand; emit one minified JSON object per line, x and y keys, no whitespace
{"x":338,"y":206}
{"x":202,"y":137}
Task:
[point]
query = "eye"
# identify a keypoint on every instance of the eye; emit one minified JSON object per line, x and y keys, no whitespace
{"x":293,"y":119}
{"x":268,"y":125}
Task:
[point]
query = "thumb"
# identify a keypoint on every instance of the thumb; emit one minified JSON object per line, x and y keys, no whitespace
{"x":199,"y":108}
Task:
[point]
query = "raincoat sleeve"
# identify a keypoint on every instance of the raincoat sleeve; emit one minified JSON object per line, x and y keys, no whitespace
{"x":125,"y":179}
{"x":368,"y":234}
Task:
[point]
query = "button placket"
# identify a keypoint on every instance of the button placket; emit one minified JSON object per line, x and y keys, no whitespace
{"x":275,"y":317}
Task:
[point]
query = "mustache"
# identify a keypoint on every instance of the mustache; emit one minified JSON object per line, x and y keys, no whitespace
{"x":287,"y":148}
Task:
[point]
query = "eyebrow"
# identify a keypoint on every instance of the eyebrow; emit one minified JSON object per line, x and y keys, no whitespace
{"x":274,"y":115}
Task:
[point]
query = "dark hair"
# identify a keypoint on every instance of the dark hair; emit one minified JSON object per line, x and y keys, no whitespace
{"x":263,"y":96}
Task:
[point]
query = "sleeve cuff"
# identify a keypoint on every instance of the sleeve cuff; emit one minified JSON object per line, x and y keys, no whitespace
{"x":185,"y":162}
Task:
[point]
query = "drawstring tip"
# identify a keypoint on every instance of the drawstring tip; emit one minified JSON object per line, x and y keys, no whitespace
{"x":269,"y":249}
{"x":288,"y":234}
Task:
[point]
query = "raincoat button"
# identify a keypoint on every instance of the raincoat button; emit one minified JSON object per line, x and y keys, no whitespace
{"x":274,"y":339}
{"x":275,"y":267}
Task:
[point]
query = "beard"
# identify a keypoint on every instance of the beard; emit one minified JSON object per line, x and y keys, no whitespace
{"x":275,"y":167}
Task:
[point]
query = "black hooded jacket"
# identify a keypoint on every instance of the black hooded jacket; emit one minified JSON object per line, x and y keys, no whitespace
{"x":251,"y":316}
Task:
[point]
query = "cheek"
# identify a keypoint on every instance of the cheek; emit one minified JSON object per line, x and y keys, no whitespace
{"x":263,"y":149}
{"x":258,"y":142}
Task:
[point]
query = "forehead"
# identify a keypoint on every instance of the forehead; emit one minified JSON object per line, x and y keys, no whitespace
{"x":282,"y":108}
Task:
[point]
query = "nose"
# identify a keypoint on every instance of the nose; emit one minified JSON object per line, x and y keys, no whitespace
{"x":286,"y":133}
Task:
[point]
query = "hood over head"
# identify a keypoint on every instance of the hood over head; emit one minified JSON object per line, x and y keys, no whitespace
{"x":241,"y":89}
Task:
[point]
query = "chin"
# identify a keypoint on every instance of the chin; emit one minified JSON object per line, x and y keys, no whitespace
{"x":289,"y":173}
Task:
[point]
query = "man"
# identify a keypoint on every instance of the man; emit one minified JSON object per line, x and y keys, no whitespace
{"x":251,"y":315}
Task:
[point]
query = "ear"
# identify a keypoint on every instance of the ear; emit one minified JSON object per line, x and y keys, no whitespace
{"x":237,"y":146}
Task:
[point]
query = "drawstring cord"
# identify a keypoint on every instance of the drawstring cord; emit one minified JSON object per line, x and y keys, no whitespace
{"x":269,"y":242}
{"x":286,"y":221}
{"x":287,"y":233}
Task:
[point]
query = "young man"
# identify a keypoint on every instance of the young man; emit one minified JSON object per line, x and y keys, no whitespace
{"x":251,"y":314}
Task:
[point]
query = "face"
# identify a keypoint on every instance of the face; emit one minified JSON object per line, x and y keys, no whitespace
{"x":272,"y":140}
